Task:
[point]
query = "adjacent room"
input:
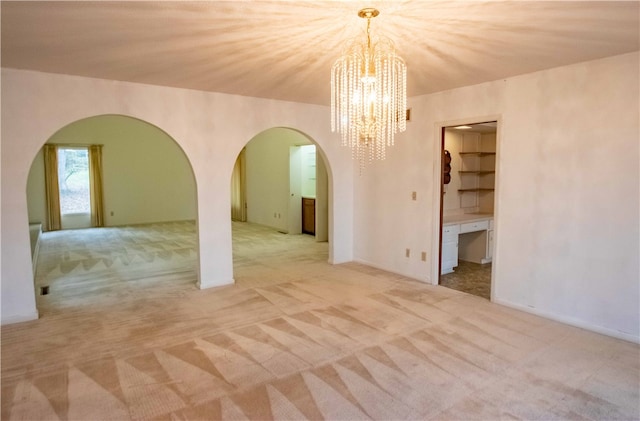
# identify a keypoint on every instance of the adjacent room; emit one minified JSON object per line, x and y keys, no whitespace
{"x":144,"y":233}
{"x":320,"y":210}
{"x":468,"y":196}
{"x":99,"y":223}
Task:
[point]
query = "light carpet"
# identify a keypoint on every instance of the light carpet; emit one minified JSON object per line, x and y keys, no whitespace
{"x":125,"y":334}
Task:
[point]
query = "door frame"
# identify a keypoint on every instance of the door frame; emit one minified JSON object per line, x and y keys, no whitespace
{"x":294,"y":214}
{"x":437,"y":202}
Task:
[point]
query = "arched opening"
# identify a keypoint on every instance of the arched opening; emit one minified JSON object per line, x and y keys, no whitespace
{"x":148,"y":232}
{"x":286,"y":181}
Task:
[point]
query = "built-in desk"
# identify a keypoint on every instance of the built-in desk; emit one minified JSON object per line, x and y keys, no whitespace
{"x":466,"y":237}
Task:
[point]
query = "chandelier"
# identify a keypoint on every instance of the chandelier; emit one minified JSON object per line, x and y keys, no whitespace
{"x":368,"y":94}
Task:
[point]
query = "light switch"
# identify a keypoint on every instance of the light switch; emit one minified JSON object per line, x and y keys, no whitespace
{"x":414,"y":195}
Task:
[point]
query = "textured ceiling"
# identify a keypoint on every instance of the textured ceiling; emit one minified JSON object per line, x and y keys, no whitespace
{"x":285,"y":49}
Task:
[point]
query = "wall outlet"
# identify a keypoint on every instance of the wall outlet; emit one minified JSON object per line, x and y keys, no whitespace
{"x":407,"y":253}
{"x":111,"y":213}
{"x":414,"y":195}
{"x":423,"y":257}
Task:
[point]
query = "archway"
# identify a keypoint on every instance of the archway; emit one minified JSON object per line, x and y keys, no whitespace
{"x":280,"y":164}
{"x":268,"y":158}
{"x":147,"y":179}
{"x":211,"y":128}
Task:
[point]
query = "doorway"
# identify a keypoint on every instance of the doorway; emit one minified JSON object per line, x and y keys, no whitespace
{"x":135,"y":188}
{"x":283,"y":167}
{"x":469,"y":153}
{"x":303,"y":180}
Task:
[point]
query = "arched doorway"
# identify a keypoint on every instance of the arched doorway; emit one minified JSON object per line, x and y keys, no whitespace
{"x":211,"y":129}
{"x":283,"y":169}
{"x":147,"y":181}
{"x":282,"y":165}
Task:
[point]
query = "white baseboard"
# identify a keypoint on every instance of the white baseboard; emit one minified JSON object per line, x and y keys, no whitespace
{"x":408,"y":275}
{"x":202,"y":286}
{"x":572,"y":322}
{"x":19,"y":318}
{"x":558,"y":318}
{"x":333,"y":261}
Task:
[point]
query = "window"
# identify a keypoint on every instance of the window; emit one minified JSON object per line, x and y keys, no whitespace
{"x":73,"y":180}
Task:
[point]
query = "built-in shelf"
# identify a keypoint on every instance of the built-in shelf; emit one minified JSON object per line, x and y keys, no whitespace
{"x":476,"y":170}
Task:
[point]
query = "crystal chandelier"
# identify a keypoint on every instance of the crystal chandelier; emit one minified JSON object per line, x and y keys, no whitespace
{"x":369,"y":94}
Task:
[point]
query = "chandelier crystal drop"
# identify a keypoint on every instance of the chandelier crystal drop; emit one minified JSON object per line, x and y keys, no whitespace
{"x":369,"y":95}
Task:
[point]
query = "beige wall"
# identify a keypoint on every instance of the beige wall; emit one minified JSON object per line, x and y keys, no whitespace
{"x":36,"y":195}
{"x":567,"y":199}
{"x":147,"y":177}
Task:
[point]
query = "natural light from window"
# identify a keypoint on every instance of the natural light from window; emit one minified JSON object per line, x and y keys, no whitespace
{"x":73,"y":180}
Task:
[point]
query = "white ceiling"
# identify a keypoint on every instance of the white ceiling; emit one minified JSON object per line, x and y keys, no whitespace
{"x":285,"y":49}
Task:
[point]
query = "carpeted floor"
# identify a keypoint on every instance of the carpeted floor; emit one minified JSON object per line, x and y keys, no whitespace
{"x":125,"y":334}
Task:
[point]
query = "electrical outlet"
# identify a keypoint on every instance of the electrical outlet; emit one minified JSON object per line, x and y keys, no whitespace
{"x":407,"y":253}
{"x":111,"y":213}
{"x":423,"y":257}
{"x":414,"y":195}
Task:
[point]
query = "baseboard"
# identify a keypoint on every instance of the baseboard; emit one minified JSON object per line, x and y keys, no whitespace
{"x":558,"y":318}
{"x":408,"y":275}
{"x":19,"y":318}
{"x":338,"y":261}
{"x":201,"y":286}
{"x":572,"y":322}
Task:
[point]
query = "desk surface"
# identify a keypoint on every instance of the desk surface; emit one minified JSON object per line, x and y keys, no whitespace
{"x":465,"y":217}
